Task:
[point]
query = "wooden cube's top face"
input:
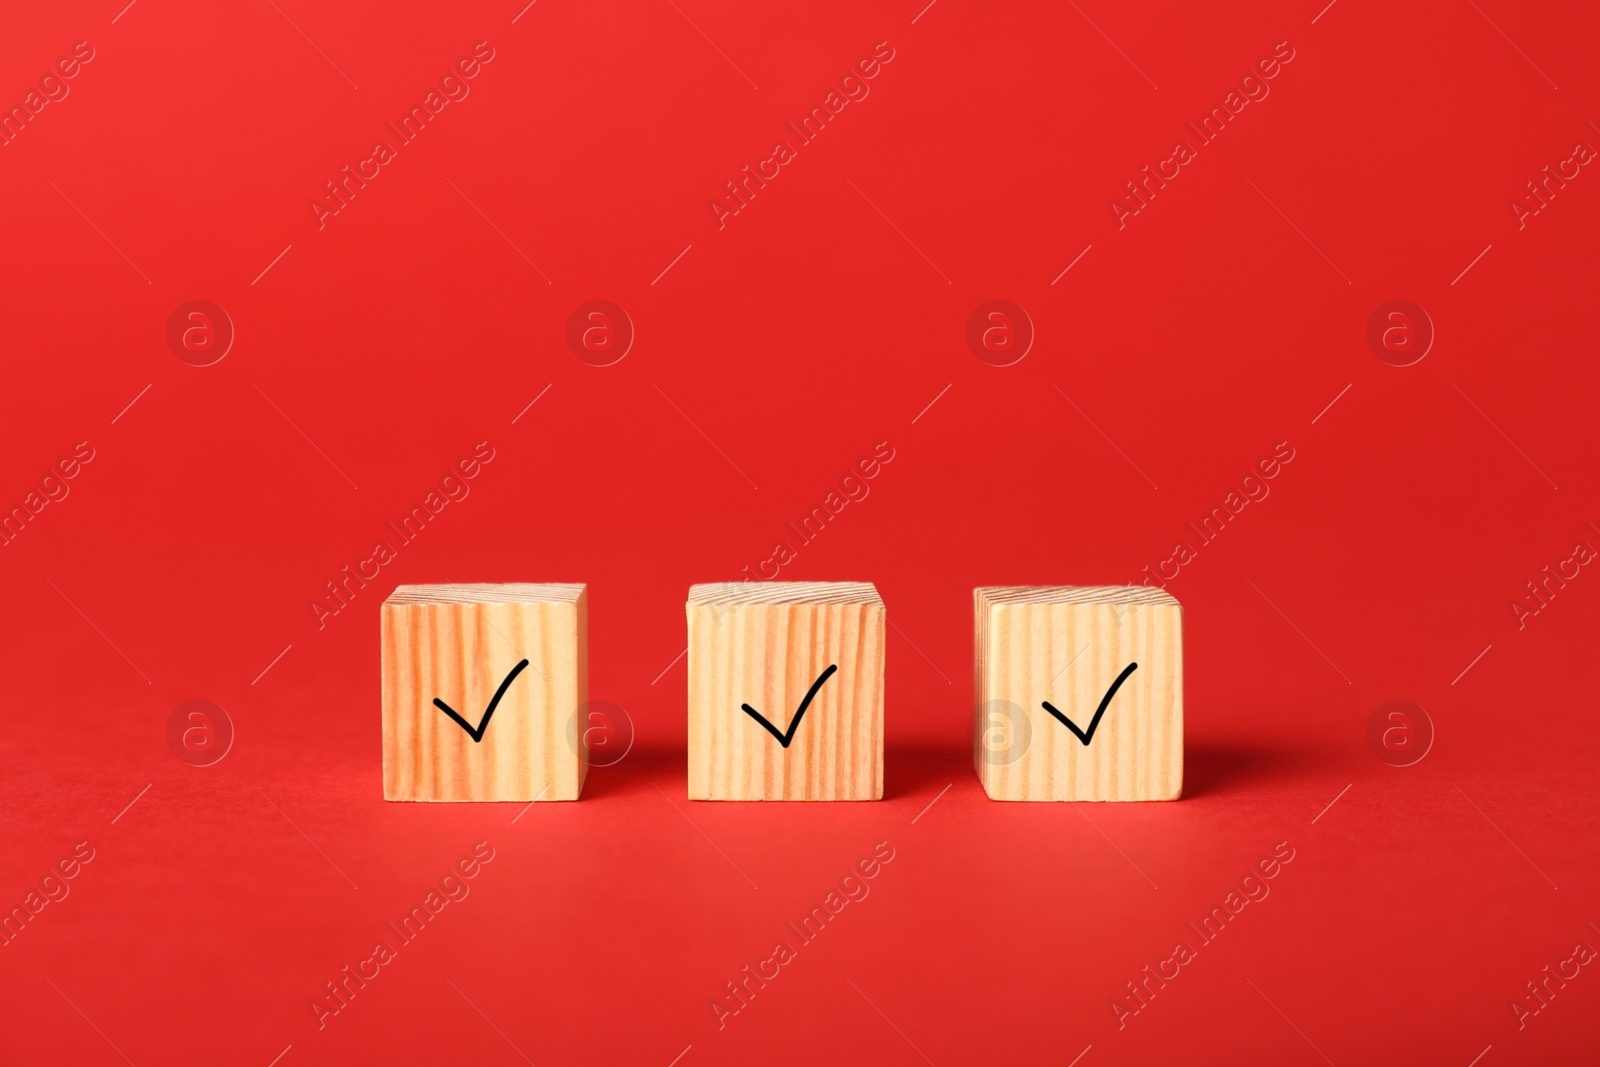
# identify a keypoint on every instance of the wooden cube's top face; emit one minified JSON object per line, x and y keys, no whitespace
{"x":739,"y":593}
{"x":489,"y":593}
{"x":1073,"y":594}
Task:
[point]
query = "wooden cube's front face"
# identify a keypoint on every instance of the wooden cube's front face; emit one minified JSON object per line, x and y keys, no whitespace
{"x":769,"y":656}
{"x":461,"y":654}
{"x":1071,"y":655}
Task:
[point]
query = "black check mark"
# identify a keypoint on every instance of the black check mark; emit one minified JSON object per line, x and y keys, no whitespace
{"x":477,"y":735}
{"x":785,"y":738}
{"x":1088,"y":735}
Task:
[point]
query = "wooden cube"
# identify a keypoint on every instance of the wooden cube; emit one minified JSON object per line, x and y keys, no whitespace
{"x":1079,"y":693}
{"x":786,"y":691}
{"x":481,"y":690}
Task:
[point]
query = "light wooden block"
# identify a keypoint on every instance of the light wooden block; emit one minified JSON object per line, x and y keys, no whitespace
{"x":1068,"y":645}
{"x":766,"y":645}
{"x":458,"y":644}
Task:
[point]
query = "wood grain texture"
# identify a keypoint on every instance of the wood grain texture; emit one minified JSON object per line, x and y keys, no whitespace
{"x":1067,"y":645}
{"x":458,"y":643}
{"x":765,"y":645}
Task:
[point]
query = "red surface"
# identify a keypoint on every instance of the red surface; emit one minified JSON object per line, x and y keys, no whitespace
{"x":821,"y":320}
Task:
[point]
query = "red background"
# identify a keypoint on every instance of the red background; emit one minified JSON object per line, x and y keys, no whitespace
{"x":823,"y":319}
